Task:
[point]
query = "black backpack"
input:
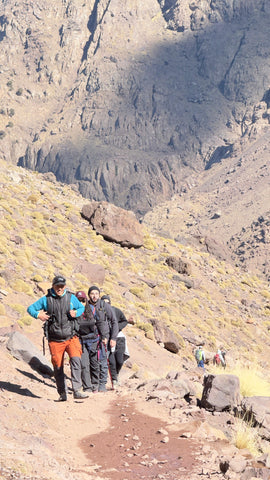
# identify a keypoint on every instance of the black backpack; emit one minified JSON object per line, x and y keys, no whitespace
{"x":49,"y":322}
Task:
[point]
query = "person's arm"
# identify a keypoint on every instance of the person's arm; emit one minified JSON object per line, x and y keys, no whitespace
{"x":76,"y":307}
{"x":38,"y":309}
{"x":113,"y":323}
{"x":122,"y":321}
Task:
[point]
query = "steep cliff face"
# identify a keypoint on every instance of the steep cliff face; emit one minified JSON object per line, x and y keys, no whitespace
{"x":127,"y":98}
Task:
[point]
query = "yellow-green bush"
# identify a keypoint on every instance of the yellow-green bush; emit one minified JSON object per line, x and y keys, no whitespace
{"x":33,"y":198}
{"x":21,"y":286}
{"x":2,"y":309}
{"x":107,"y":250}
{"x":149,"y":243}
{"x":252,"y":382}
{"x":246,"y":436}
{"x":25,"y":320}
{"x":138,"y":292}
{"x":18,"y":308}
{"x":37,"y":278}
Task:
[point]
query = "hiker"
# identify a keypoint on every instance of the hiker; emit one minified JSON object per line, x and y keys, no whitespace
{"x":58,"y":310}
{"x":108,"y":327}
{"x":200,"y":357}
{"x":219,"y":359}
{"x":90,"y":329}
{"x":119,"y":354}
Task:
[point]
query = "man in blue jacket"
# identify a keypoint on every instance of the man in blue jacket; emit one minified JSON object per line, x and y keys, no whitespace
{"x":59,"y":309}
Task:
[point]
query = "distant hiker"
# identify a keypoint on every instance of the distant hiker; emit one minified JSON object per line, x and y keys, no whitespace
{"x":108,"y":327}
{"x":58,"y":310}
{"x":119,"y":354}
{"x":219,"y":359}
{"x":90,"y":328}
{"x":200,"y":357}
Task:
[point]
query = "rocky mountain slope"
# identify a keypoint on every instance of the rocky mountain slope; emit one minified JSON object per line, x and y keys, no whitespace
{"x":214,"y":303}
{"x":127,"y":99}
{"x":225,"y":210}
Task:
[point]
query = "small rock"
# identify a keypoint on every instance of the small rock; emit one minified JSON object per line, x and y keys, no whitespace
{"x":165,"y":440}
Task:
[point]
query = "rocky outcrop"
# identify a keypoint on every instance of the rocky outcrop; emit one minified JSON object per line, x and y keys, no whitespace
{"x":165,"y":336}
{"x":257,"y":409}
{"x":221,"y":392}
{"x":114,"y":224}
{"x":22,"y":349}
{"x":179,"y":265}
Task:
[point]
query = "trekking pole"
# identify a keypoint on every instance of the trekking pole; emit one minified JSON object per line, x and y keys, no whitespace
{"x":108,"y":363}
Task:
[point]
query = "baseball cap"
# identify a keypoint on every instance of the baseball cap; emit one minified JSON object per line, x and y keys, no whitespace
{"x":81,"y":294}
{"x":59,"y":280}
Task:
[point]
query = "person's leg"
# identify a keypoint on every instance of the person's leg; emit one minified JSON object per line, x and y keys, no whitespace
{"x":74,"y":350}
{"x":94,"y":365}
{"x":85,"y":365}
{"x":119,"y":353}
{"x":112,"y":360}
{"x":103,"y":369}
{"x":57,"y":350}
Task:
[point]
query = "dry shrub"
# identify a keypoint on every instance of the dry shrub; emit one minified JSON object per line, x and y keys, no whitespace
{"x":246,"y":436}
{"x":107,"y":250}
{"x":2,"y":309}
{"x":138,"y":292}
{"x":37,"y":278}
{"x":25,"y":320}
{"x":149,"y":243}
{"x":252,"y":382}
{"x":18,"y":308}
{"x":23,"y":287}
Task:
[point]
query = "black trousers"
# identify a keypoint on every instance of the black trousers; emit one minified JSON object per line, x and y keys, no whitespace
{"x":116,"y":358}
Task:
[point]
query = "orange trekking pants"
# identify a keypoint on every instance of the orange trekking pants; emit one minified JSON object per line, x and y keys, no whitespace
{"x":58,"y":349}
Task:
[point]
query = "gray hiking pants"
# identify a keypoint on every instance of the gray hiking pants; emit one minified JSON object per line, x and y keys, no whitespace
{"x":60,"y":378}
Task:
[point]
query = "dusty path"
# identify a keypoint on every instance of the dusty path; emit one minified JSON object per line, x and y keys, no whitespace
{"x":138,"y":446}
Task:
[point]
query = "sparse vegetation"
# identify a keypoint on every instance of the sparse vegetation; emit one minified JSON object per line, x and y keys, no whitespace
{"x":246,"y":436}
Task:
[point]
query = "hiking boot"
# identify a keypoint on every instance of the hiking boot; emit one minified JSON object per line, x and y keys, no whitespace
{"x":115,"y":383}
{"x":62,"y":397}
{"x":80,"y":395}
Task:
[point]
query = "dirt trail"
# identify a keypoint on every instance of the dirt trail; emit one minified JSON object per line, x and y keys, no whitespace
{"x":137,"y":446}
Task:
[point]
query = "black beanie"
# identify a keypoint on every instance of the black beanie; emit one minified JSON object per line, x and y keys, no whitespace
{"x":93,"y":288}
{"x":106,"y":297}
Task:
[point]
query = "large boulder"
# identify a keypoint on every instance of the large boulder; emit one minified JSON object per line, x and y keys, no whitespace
{"x":221,"y":392}
{"x":164,"y":335}
{"x":114,"y":223}
{"x":23,"y":349}
{"x":258,"y":408}
{"x":181,"y":266}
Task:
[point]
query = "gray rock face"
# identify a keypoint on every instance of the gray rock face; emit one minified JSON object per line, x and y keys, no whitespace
{"x":128,"y":101}
{"x":259,"y":409}
{"x":221,"y":392}
{"x":22,"y":349}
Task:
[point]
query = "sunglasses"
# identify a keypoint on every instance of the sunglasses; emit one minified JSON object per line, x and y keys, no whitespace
{"x":82,"y":300}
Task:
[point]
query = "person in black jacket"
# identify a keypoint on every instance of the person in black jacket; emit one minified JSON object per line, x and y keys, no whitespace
{"x":119,"y":354}
{"x":89,"y":337}
{"x":107,"y":327}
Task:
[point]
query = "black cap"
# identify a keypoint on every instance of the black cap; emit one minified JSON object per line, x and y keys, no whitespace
{"x":59,"y":280}
{"x":93,"y":288}
{"x":106,"y":297}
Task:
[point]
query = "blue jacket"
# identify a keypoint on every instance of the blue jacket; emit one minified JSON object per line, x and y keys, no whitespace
{"x":41,"y":304}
